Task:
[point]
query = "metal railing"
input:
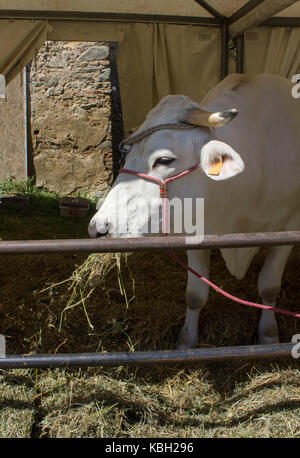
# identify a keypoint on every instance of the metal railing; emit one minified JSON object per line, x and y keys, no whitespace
{"x":149,"y":243}
{"x":197,"y":355}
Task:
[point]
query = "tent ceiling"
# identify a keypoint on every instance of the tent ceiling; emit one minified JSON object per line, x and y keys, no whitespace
{"x":235,"y":17}
{"x":157,"y":7}
{"x":173,"y":7}
{"x":292,"y":11}
{"x":26,"y":24}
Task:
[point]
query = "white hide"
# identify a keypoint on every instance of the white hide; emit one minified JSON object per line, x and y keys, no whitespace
{"x":257,"y":189}
{"x":263,"y":139}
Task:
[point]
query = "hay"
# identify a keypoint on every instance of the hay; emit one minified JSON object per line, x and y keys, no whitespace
{"x":93,"y":271}
{"x":88,"y":276}
{"x":235,"y":399}
{"x":83,"y":280}
{"x":136,"y":304}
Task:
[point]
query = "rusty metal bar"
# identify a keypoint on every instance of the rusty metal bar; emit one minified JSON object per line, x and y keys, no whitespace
{"x":149,"y":243}
{"x":197,"y":355}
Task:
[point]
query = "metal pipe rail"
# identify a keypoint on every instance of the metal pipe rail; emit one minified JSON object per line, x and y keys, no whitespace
{"x":197,"y":355}
{"x":149,"y":243}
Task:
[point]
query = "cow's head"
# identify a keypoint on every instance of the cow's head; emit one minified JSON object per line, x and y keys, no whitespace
{"x":133,"y":202}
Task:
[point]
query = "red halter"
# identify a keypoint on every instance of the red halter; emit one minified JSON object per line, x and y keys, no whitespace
{"x":163,"y":186}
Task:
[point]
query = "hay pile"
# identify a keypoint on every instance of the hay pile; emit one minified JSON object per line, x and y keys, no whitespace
{"x":78,"y":303}
{"x":235,"y":399}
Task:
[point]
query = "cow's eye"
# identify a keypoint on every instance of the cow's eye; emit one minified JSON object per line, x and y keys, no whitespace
{"x":163,"y":161}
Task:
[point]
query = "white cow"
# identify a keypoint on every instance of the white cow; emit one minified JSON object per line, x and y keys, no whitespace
{"x":257,"y":188}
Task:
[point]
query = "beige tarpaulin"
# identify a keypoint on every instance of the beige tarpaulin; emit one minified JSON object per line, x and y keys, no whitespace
{"x":184,"y":7}
{"x":157,"y":56}
{"x":273,"y":50}
{"x":155,"y":60}
{"x":191,"y":8}
{"x":263,"y":11}
{"x":158,"y":59}
{"x":20,"y":40}
{"x":84,"y":31}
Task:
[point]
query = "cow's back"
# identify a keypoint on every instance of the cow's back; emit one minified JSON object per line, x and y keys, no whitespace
{"x":267,"y":136}
{"x":265,"y":197}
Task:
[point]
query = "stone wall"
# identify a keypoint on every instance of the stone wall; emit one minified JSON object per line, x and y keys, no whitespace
{"x":70,"y":95}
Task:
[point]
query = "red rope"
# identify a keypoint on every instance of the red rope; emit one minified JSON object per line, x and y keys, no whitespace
{"x":163,"y":186}
{"x":229,"y":296}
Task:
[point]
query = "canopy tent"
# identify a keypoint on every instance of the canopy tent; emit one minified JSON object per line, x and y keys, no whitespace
{"x":166,"y":46}
{"x":239,"y":15}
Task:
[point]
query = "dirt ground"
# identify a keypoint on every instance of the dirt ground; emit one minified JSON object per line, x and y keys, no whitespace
{"x":229,"y":399}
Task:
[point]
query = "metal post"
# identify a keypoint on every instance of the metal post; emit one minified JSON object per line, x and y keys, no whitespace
{"x":240,"y":47}
{"x":225,"y":49}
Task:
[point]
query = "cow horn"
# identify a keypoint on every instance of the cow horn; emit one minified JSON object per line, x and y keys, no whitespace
{"x":206,"y":119}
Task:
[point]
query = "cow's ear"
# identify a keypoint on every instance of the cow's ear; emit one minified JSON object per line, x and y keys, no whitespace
{"x":219,"y":161}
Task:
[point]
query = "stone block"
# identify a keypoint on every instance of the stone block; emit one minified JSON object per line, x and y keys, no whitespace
{"x":95,"y":53}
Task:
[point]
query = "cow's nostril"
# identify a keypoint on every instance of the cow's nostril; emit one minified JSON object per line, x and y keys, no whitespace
{"x":99,"y":234}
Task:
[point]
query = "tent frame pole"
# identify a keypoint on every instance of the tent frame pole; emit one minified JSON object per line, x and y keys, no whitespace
{"x":249,"y":6}
{"x":211,"y":10}
{"x":225,"y":49}
{"x":240,"y":48}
